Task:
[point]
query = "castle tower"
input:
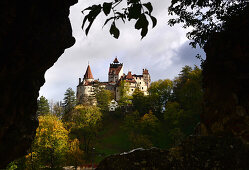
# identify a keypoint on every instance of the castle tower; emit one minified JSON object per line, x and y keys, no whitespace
{"x":115,"y":71}
{"x":88,"y":77}
{"x":146,"y":77}
{"x":84,"y":89}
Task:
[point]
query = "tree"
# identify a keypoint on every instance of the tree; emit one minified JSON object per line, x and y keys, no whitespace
{"x":132,"y":125}
{"x":205,"y":16}
{"x":172,"y":115}
{"x":149,"y":124}
{"x":141,"y":129}
{"x":58,"y":109}
{"x":125,"y":99}
{"x":140,"y":102}
{"x":75,"y":154}
{"x":85,"y":123}
{"x":188,"y":88}
{"x":104,"y":97}
{"x":43,"y":106}
{"x":160,"y":93}
{"x":51,"y":142}
{"x":183,"y":110}
{"x":69,"y":102}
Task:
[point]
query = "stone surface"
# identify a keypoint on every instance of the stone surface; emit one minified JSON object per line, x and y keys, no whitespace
{"x":197,"y":152}
{"x":226,"y":80}
{"x":33,"y":35}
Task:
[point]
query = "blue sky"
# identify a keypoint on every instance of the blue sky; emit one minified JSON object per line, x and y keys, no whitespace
{"x":164,"y":51}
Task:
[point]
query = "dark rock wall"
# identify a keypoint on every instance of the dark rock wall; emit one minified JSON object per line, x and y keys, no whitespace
{"x":33,"y":34}
{"x":226,"y":80}
{"x":194,"y":153}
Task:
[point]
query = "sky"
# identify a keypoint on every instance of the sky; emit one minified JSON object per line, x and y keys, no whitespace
{"x":164,"y":51}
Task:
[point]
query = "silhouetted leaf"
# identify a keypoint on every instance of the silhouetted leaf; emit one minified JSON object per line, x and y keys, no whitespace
{"x":88,"y":28}
{"x":84,"y":21}
{"x":154,"y":21}
{"x":134,"y":11}
{"x":148,"y":6}
{"x":144,"y":32}
{"x":142,"y":23}
{"x":114,"y":31}
{"x":94,"y":12}
{"x":132,"y":1}
{"x":107,"y":8}
{"x":88,"y":8}
{"x":107,"y":20}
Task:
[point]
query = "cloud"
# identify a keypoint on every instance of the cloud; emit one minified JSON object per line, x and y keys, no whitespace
{"x":164,"y":51}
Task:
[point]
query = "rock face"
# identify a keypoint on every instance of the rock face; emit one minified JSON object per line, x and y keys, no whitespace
{"x":195,"y":153}
{"x":226,"y":80}
{"x":33,"y":35}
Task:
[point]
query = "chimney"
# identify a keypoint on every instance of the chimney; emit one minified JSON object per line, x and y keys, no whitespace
{"x":79,"y":80}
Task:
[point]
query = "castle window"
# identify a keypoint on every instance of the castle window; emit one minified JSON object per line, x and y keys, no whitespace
{"x":142,"y":88}
{"x":131,"y":89}
{"x":140,"y":83}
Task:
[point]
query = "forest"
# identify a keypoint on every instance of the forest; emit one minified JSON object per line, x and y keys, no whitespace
{"x":73,"y":134}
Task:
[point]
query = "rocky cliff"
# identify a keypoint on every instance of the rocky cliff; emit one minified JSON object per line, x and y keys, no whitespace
{"x":226,"y":80}
{"x":33,"y":35}
{"x":197,"y":152}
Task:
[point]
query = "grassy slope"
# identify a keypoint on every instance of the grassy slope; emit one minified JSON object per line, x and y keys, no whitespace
{"x":113,"y":139}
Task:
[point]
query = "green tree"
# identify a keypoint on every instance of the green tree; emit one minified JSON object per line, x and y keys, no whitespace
{"x":184,"y":109}
{"x":141,"y":129}
{"x":205,"y":16}
{"x":131,"y":122}
{"x":43,"y":106}
{"x":160,"y":93}
{"x":149,"y":124}
{"x":172,"y":114}
{"x":188,"y":87}
{"x":85,"y":124}
{"x":140,"y":101}
{"x":50,"y":144}
{"x":75,"y":155}
{"x":132,"y":125}
{"x":69,"y":102}
{"x":125,"y":99}
{"x":104,"y":97}
{"x":12,"y":166}
{"x":176,"y":136}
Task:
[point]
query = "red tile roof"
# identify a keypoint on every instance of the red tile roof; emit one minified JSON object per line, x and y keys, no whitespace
{"x":88,"y":74}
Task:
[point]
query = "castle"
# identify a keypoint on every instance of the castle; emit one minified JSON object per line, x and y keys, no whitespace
{"x":86,"y":87}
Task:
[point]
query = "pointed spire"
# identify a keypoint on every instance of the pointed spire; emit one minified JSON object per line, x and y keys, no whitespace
{"x":115,"y":60}
{"x":88,"y":74}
